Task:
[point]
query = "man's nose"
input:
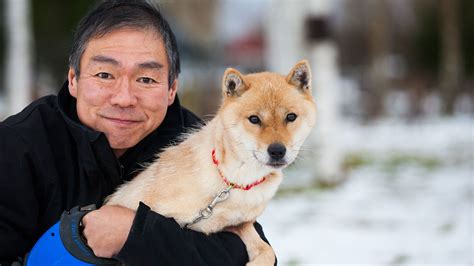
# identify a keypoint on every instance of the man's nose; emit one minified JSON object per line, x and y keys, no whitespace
{"x":123,"y":95}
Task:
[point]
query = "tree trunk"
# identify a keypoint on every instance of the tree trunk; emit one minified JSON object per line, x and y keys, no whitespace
{"x":379,"y":48}
{"x":18,"y":54}
{"x":451,"y":69}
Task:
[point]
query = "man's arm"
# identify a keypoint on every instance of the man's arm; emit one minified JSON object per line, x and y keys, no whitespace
{"x":155,"y":239}
{"x":18,"y":202}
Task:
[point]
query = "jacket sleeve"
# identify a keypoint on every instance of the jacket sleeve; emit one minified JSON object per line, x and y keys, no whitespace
{"x":18,"y":203}
{"x":157,"y":240}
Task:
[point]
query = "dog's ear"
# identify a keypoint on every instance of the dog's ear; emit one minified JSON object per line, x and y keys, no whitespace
{"x":300,"y":76}
{"x":233,"y":83}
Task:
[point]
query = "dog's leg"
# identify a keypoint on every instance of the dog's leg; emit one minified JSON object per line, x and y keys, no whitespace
{"x":259,"y":252}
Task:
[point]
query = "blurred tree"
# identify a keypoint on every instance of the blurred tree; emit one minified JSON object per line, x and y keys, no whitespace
{"x":442,"y":47}
{"x":379,"y":49}
{"x":467,"y":29}
{"x":18,"y":54}
{"x":466,"y":11}
{"x":451,"y":61}
{"x":54,"y":23}
{"x":427,"y":38}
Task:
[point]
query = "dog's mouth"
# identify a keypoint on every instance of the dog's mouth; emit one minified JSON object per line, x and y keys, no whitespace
{"x":277,"y":164}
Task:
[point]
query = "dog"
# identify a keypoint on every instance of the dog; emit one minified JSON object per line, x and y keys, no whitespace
{"x":222,"y":176}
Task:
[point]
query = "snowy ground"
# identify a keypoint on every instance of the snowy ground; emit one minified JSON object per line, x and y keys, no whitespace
{"x":407,"y":200}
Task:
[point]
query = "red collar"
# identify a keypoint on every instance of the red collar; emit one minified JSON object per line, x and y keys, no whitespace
{"x":244,"y":187}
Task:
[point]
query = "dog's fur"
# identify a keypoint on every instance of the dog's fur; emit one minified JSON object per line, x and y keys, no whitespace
{"x":184,"y":179}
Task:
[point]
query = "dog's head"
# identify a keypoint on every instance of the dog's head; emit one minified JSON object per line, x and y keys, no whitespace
{"x":268,"y":116}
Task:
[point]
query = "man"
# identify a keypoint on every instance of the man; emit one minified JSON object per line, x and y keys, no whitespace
{"x":117,"y":109}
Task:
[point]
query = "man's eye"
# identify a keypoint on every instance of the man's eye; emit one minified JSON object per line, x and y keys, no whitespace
{"x":104,"y":75}
{"x":146,"y":80}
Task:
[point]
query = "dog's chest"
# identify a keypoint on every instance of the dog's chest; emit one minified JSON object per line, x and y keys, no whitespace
{"x":239,"y":207}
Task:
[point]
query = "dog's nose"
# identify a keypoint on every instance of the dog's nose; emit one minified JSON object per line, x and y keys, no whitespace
{"x":276,"y":151}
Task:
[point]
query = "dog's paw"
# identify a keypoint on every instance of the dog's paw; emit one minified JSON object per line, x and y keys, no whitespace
{"x":261,"y":262}
{"x":263,"y":259}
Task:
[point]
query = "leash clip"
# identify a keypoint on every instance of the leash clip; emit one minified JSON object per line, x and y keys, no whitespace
{"x":207,"y":212}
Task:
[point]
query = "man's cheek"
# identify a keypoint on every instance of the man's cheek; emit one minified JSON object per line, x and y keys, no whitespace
{"x":94,"y":97}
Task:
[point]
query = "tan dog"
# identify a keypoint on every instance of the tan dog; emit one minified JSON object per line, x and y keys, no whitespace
{"x":224,"y":174}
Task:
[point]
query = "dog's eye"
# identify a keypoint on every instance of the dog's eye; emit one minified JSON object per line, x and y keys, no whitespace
{"x":291,"y":117}
{"x":254,"y":119}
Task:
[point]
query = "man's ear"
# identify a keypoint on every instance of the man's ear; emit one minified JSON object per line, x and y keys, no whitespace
{"x":172,"y":92}
{"x":72,"y":82}
{"x":300,"y":76}
{"x":233,"y":83}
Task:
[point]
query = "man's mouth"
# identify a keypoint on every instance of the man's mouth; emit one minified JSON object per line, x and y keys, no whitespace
{"x":122,"y":121}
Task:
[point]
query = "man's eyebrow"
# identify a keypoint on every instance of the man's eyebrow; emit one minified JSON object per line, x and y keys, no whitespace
{"x":151,"y":65}
{"x":105,"y":59}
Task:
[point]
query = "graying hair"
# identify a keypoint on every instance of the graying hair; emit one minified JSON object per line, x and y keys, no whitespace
{"x":115,"y":14}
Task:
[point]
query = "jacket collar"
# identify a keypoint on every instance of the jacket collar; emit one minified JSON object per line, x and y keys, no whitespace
{"x":67,"y":108}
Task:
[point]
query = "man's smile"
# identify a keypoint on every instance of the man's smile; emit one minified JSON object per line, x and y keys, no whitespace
{"x":123,"y":121}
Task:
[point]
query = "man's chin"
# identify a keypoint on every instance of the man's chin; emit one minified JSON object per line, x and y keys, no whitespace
{"x":120,"y":147}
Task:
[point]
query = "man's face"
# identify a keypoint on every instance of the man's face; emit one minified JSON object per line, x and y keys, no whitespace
{"x":123,"y":87}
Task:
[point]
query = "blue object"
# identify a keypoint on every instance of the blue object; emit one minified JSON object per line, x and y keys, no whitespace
{"x":49,"y":250}
{"x":63,"y":243}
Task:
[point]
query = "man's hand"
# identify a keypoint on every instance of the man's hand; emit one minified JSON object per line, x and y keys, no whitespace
{"x":107,"y":228}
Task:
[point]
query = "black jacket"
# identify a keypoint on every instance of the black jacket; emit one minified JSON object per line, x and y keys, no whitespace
{"x":50,"y":162}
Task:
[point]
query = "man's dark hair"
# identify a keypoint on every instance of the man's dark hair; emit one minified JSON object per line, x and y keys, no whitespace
{"x":114,"y":14}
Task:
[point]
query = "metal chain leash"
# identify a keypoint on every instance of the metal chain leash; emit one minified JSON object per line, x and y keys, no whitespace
{"x":207,"y":212}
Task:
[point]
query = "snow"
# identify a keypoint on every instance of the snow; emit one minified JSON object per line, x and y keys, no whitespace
{"x":385,"y":213}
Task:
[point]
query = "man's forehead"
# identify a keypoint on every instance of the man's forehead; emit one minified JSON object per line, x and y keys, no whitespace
{"x":141,"y":45}
{"x":148,"y":64}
